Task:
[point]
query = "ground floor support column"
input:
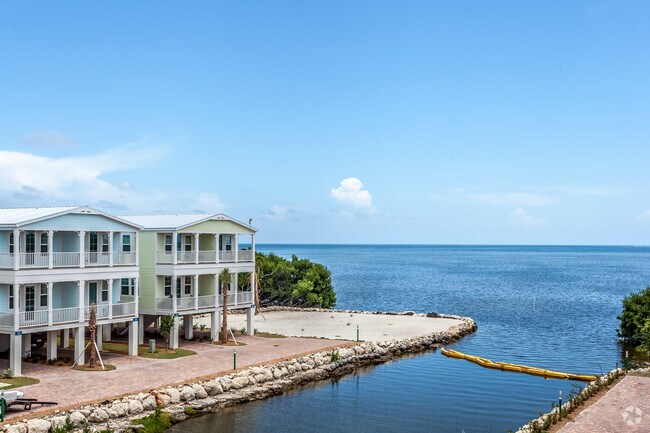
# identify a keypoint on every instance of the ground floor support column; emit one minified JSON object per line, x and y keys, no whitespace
{"x":133,"y":338}
{"x":99,"y":337}
{"x":188,"y":324}
{"x":51,"y":344}
{"x":173,"y":336}
{"x":15,"y":350}
{"x":250,"y":313}
{"x":27,"y":346}
{"x":141,"y":329}
{"x":215,"y":319}
{"x":65,"y":341}
{"x":107,"y":330}
{"x":79,"y":345}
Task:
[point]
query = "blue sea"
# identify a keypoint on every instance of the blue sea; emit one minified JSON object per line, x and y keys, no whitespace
{"x":553,"y":307}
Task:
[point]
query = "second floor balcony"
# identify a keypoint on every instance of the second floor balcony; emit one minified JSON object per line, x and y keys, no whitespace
{"x":66,"y":260}
{"x":202,"y":257}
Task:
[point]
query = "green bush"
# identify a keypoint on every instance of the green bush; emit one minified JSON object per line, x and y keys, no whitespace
{"x":634,"y":328}
{"x":294,"y":282}
{"x":157,"y":422}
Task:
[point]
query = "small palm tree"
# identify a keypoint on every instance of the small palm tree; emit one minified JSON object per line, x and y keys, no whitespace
{"x":225,"y":277}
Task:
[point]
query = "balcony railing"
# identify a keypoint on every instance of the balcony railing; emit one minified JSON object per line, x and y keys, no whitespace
{"x":65,"y":315}
{"x":207,"y":301}
{"x":184,"y":257}
{"x":33,"y":318}
{"x":65,"y":259}
{"x":6,"y":320}
{"x":124,"y":309}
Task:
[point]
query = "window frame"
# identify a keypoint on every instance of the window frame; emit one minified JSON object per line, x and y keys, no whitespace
{"x":128,"y":286}
{"x":126,"y":247}
{"x":167,"y":286}
{"x":168,"y":245}
{"x":43,"y":297}
{"x":46,"y":244}
{"x":11,"y":297}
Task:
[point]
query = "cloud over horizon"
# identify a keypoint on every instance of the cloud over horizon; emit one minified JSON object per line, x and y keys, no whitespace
{"x":351,"y":193}
{"x":523,"y":219}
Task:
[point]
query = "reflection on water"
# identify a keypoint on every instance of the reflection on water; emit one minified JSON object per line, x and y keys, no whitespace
{"x":551,"y":307}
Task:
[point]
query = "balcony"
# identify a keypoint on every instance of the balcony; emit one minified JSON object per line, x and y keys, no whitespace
{"x":59,"y":316}
{"x":184,"y":304}
{"x":202,"y":257}
{"x":66,"y":260}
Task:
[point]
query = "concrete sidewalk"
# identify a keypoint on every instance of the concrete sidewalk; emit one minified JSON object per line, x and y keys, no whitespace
{"x":624,"y":408}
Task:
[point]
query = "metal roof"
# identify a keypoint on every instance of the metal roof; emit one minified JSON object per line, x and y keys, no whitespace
{"x":175,"y":222}
{"x":22,"y":215}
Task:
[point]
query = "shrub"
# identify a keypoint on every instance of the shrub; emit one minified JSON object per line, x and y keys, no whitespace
{"x":635,"y":320}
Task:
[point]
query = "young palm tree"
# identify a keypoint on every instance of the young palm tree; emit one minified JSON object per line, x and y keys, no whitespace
{"x":225,"y":277}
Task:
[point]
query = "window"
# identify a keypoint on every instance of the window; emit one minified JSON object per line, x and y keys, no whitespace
{"x":168,"y":286}
{"x":104,"y":291}
{"x":188,"y":242}
{"x":127,"y":287}
{"x":11,"y":296}
{"x":104,"y":242}
{"x":126,"y":243}
{"x":188,"y":285}
{"x":29,"y":242}
{"x":43,"y":302}
{"x":43,"y":242}
{"x":11,"y":243}
{"x":168,"y":243}
{"x":228,"y":243}
{"x":92,"y":242}
{"x":178,"y":287}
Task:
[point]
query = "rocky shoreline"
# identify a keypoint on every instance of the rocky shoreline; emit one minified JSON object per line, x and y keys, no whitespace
{"x":249,"y":384}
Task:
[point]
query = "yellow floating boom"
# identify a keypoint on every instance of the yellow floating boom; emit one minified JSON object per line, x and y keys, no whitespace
{"x":505,"y":366}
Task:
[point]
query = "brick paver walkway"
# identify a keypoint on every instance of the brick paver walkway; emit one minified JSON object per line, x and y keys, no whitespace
{"x":134,"y":374}
{"x":624,"y":408}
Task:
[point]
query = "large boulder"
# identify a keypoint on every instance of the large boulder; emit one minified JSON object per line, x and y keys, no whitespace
{"x":38,"y":426}
{"x":187,"y":393}
{"x":98,"y":415}
{"x":199,"y":391}
{"x":174,"y":395}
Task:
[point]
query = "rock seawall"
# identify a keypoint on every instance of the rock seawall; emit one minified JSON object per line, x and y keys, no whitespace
{"x":249,"y":384}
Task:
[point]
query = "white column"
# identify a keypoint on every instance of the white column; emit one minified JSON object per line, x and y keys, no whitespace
{"x":82,"y":248}
{"x":111,"y":254}
{"x":253,"y":245}
{"x":216,"y":292}
{"x":110,"y":300}
{"x":66,"y":338}
{"x":214,"y":325}
{"x":173,"y":338}
{"x":15,"y":349}
{"x":175,"y":248}
{"x":174,"y":299}
{"x":99,"y":337}
{"x":236,"y":246}
{"x":235,"y":289}
{"x":196,"y":248}
{"x":50,"y":249}
{"x":16,"y":306}
{"x":217,"y":247}
{"x":136,"y":295}
{"x":253,"y":288}
{"x":16,"y":249}
{"x":141,"y":330}
{"x":250,"y":312}
{"x":188,"y":324}
{"x":133,"y":337}
{"x":106,"y":330}
{"x":50,"y":285}
{"x":79,"y":344}
{"x":137,"y":248}
{"x":81,"y":300}
{"x":196,"y":291}
{"x":27,"y":345}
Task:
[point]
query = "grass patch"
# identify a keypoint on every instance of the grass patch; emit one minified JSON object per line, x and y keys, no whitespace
{"x":269,"y":335}
{"x":143,"y":351}
{"x":640,"y":373}
{"x":17,"y":382}
{"x":98,"y":367}
{"x":230,"y":343}
{"x":157,"y":422}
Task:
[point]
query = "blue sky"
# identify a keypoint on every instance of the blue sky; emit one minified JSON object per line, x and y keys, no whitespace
{"x":351,"y":121}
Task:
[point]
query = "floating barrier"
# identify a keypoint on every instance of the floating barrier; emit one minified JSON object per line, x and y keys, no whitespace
{"x":505,"y":366}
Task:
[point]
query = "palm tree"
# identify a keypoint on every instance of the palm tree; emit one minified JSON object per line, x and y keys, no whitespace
{"x":225,"y":277}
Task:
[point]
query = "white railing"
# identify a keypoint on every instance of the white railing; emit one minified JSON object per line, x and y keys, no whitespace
{"x":206,"y":301}
{"x":124,"y":309}
{"x":244,"y":297}
{"x":164,"y":304}
{"x":34,"y":260}
{"x":65,"y":315}
{"x":97,"y":259}
{"x":6,"y":320}
{"x":245,"y":255}
{"x":124,"y":258}
{"x":226,"y":256}
{"x":33,"y":318}
{"x":185,"y":303}
{"x":165,"y":257}
{"x":66,"y":260}
{"x":6,"y":260}
{"x":101,"y":310}
{"x":207,"y":256}
{"x":185,"y":256}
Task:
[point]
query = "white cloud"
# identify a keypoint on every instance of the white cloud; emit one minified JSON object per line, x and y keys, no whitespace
{"x":522,"y":218}
{"x":513,"y":199}
{"x":351,"y":193}
{"x":47,"y":138}
{"x":644,"y":216}
{"x":276,"y":213}
{"x":27,"y":179}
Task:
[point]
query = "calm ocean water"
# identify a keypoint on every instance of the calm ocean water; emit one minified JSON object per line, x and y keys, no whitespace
{"x":552,"y":307}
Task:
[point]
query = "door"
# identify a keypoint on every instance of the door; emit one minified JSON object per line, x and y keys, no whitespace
{"x":92,"y":293}
{"x":92,"y":247}
{"x":30,"y":293}
{"x":30,"y":248}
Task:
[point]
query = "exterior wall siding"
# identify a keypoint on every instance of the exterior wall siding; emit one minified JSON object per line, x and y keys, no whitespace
{"x":214,"y":226}
{"x":86,"y":222}
{"x":4,"y":241}
{"x":147,"y":263}
{"x":206,"y":285}
{"x":4,"y":297}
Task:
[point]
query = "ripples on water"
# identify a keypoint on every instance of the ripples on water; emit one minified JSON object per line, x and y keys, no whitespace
{"x":552,"y":307}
